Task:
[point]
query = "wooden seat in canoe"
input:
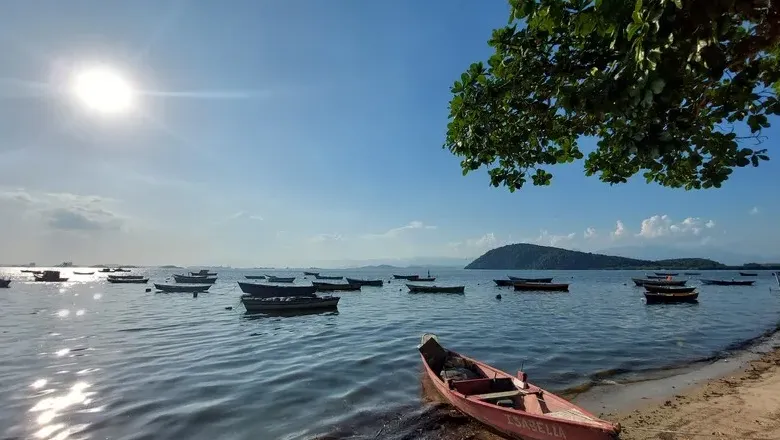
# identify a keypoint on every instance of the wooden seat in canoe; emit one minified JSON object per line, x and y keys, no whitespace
{"x":498,"y":395}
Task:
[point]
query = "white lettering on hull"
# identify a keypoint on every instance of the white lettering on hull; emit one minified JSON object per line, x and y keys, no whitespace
{"x":536,"y":426}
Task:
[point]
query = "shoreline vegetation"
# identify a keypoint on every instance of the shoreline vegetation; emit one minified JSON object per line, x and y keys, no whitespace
{"x":741,"y":404}
{"x":525,"y":256}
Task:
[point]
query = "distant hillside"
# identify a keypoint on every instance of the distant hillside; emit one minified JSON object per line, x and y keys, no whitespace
{"x":530,"y":256}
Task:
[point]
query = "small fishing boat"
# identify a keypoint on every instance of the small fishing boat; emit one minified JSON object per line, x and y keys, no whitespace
{"x":656,"y":277}
{"x":31,"y":271}
{"x":691,"y":273}
{"x":508,"y":404}
{"x":333,"y":287}
{"x":189,"y":279}
{"x":372,"y":283}
{"x":541,"y":287}
{"x":748,"y":274}
{"x":119,"y":269}
{"x":125,"y":277}
{"x":182,"y":287}
{"x":504,"y":283}
{"x":5,"y":283}
{"x":328,"y":277}
{"x":313,"y":274}
{"x":203,"y":273}
{"x":268,"y":291}
{"x":128,"y":280}
{"x":668,"y":289}
{"x":531,"y":280}
{"x":275,"y":304}
{"x":424,"y":279}
{"x":667,"y":274}
{"x":49,"y":276}
{"x":105,"y":269}
{"x":254,"y":277}
{"x":273,"y":279}
{"x":643,"y":282}
{"x":435,"y":289}
{"x":728,"y":282}
{"x":669,"y":298}
{"x":83,"y":273}
{"x":406,"y":277}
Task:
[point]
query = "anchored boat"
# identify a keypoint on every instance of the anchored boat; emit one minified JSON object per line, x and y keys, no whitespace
{"x":507,"y":403}
{"x":334,"y":287}
{"x":531,"y":280}
{"x":267,"y":291}
{"x":541,"y":287}
{"x":372,"y":283}
{"x":190,"y":288}
{"x":435,"y":289}
{"x":198,"y":279}
{"x":728,"y":282}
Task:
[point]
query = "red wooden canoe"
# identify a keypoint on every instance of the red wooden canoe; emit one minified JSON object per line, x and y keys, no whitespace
{"x":506,"y":403}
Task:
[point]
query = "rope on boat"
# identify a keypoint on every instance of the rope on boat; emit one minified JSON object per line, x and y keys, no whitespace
{"x":696,"y":434}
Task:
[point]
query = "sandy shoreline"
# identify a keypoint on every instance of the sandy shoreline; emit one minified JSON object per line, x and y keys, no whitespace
{"x":743,"y":404}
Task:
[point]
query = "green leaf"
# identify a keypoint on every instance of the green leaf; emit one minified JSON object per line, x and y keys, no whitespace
{"x":631,"y":30}
{"x":637,"y":17}
{"x":678,"y":3}
{"x":638,"y":6}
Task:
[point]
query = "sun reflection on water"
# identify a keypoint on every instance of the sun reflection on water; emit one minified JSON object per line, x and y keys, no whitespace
{"x":63,"y":313}
{"x":49,"y":408}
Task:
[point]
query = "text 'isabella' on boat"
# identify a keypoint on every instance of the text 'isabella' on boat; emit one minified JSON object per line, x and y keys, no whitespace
{"x":506,"y":403}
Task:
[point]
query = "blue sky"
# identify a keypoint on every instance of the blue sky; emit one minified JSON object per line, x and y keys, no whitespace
{"x":293,"y":133}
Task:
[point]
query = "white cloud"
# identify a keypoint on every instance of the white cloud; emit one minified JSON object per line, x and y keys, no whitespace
{"x":755,"y":210}
{"x":415,"y":224}
{"x":319,"y":238}
{"x":242,"y":215}
{"x":590,"y":233}
{"x":546,"y":238}
{"x":620,"y":230}
{"x":663,"y":226}
{"x":63,"y":211}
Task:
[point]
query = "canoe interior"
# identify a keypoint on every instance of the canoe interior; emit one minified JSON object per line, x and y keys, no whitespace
{"x":668,"y":298}
{"x":499,"y":392}
{"x":668,"y":289}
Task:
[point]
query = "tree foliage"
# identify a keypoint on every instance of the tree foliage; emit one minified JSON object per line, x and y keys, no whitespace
{"x":659,"y":83}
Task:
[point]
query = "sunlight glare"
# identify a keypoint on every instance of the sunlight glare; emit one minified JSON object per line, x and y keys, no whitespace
{"x":103,"y":90}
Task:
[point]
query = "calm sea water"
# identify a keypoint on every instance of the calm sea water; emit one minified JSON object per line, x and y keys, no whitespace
{"x":91,"y":360}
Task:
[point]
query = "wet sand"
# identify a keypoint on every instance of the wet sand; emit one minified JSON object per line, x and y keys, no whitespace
{"x":744,"y":404}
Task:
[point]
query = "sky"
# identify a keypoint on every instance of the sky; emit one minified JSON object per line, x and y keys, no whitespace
{"x":296,"y":133}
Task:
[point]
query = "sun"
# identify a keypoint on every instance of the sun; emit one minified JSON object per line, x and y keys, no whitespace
{"x":103,"y":90}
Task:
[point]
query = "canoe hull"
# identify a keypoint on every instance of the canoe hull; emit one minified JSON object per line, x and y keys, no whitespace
{"x":436,"y":289}
{"x":531,"y":280}
{"x":254,"y":277}
{"x":266,"y":291}
{"x":504,"y":283}
{"x":254,"y":304}
{"x":668,"y":289}
{"x":328,"y":277}
{"x":128,"y":280}
{"x":171,"y":288}
{"x":541,"y":287}
{"x":335,"y":287}
{"x":406,"y":277}
{"x":5,"y":284}
{"x":185,"y":279}
{"x":273,"y":279}
{"x":372,"y":283}
{"x":644,"y":282}
{"x":519,"y":424}
{"x":665,"y":298}
{"x":727,"y":283}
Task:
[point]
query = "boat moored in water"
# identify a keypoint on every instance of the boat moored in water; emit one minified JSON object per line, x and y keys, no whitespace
{"x":506,"y":403}
{"x":125,"y":277}
{"x":273,"y":279}
{"x":83,"y":273}
{"x":668,"y":289}
{"x":289,"y":303}
{"x":203,"y":273}
{"x":269,"y":291}
{"x":644,"y":282}
{"x":670,"y":298}
{"x":504,"y":283}
{"x":748,"y":274}
{"x":49,"y":276}
{"x":5,"y":283}
{"x":190,"y":288}
{"x":667,"y":274}
{"x":254,"y":277}
{"x":372,"y":283}
{"x":406,"y":277}
{"x":728,"y":282}
{"x":334,"y":287}
{"x":328,"y":277}
{"x":541,"y":287}
{"x":531,"y":280}
{"x":127,"y":280}
{"x":313,"y":274}
{"x":413,"y":288}
{"x":198,"y":279}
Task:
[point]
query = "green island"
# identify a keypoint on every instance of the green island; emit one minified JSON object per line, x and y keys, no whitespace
{"x":526,"y":256}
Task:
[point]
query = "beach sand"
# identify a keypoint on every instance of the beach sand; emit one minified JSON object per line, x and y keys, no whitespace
{"x":742,"y":405}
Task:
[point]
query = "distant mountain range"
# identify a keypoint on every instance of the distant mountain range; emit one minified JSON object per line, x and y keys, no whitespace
{"x":725,"y":256}
{"x":524,"y":256}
